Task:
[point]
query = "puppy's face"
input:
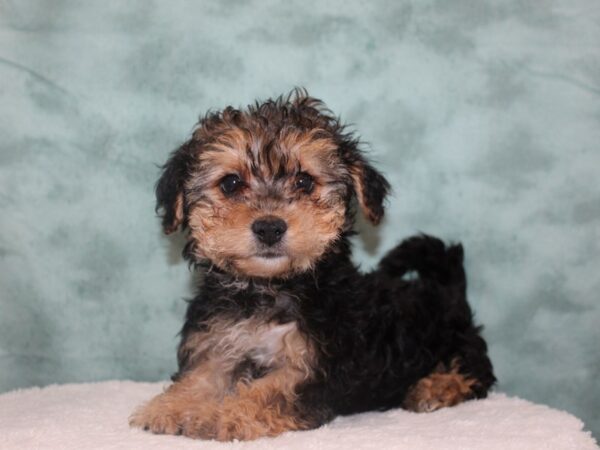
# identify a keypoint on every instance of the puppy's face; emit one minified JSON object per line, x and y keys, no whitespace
{"x":265,"y":192}
{"x":263,"y":205}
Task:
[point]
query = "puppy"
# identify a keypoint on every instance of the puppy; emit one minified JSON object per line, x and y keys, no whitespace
{"x":285,"y":333}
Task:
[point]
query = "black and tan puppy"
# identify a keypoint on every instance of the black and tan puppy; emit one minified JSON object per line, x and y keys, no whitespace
{"x":286,"y":333}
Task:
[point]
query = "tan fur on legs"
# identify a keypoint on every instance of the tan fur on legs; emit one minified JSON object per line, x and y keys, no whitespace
{"x":439,"y":389}
{"x":190,"y":407}
{"x":207,"y":402}
{"x":191,"y":397}
{"x":262,"y":408}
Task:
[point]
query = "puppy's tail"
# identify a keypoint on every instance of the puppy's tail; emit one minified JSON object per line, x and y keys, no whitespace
{"x":431,"y":259}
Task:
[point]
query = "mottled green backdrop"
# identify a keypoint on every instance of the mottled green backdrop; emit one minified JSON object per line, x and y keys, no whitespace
{"x":484,"y":114}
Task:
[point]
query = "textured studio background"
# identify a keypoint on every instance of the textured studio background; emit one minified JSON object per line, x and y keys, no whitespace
{"x":485,"y":116}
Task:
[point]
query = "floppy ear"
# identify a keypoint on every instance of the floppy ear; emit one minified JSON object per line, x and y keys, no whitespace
{"x":370,"y":186}
{"x":169,"y":188}
{"x":371,"y":189}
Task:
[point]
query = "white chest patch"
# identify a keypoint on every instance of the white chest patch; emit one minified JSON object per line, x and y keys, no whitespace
{"x":268,"y":343}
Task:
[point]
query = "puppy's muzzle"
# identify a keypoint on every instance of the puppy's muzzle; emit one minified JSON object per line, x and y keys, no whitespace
{"x":269,"y":230}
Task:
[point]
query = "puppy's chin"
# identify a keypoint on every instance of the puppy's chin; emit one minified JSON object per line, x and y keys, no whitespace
{"x":264,"y":267}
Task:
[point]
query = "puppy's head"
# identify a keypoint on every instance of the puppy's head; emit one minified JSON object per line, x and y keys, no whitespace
{"x":266,"y":191}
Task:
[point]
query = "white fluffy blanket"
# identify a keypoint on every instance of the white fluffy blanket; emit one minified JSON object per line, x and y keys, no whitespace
{"x":94,"y":416}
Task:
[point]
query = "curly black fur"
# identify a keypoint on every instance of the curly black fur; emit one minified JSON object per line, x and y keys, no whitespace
{"x":377,"y":333}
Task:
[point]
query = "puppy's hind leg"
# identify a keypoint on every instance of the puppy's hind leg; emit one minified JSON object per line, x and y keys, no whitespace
{"x":469,"y":375}
{"x":464,"y":370}
{"x":443,"y":387}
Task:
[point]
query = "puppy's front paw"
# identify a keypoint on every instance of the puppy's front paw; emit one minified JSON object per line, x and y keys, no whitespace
{"x":153,"y":418}
{"x":166,"y":414}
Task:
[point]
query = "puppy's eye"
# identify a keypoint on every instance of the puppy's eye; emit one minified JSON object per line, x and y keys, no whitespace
{"x":231,"y":183}
{"x":304,"y":182}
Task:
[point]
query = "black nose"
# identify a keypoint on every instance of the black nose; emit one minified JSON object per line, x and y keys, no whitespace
{"x":269,"y":229}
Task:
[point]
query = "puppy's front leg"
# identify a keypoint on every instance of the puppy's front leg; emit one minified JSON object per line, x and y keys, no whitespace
{"x":264,"y":407}
{"x":189,"y":406}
